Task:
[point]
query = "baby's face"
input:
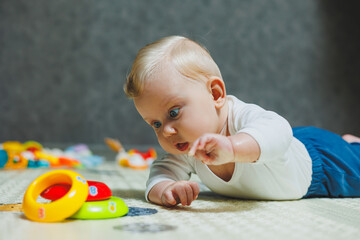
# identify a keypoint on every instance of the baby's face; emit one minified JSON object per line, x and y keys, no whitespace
{"x":179,"y":109}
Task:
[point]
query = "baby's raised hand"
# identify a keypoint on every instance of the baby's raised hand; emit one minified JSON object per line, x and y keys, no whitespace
{"x":183,"y":192}
{"x":213,"y":149}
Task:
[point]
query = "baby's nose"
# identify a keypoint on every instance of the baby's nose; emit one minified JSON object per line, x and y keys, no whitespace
{"x":169,"y":130}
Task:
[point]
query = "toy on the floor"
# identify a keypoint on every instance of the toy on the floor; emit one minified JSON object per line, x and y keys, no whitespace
{"x":31,"y":154}
{"x":97,"y":191}
{"x":58,"y":210}
{"x":70,"y":202}
{"x":133,"y":158}
{"x":110,"y":208}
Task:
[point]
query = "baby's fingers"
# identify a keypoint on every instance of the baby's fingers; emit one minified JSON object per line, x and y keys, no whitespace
{"x":199,"y":144}
{"x":168,"y":199}
{"x":202,"y":156}
{"x":195,"y":189}
{"x":189,"y":194}
{"x":186,"y":194}
{"x":183,"y":191}
{"x":193,"y":148}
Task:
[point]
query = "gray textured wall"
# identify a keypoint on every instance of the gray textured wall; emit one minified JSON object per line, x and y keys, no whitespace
{"x":63,"y":62}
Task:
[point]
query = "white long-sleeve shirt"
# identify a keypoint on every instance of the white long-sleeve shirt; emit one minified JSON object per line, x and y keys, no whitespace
{"x":282,"y":172}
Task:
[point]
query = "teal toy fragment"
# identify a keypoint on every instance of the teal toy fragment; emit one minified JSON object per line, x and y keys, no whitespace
{"x":3,"y":158}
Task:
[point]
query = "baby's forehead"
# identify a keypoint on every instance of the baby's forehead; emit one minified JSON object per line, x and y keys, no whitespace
{"x":164,"y":91}
{"x":170,"y":77}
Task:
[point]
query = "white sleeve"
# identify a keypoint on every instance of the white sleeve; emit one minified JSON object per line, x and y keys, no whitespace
{"x":272,"y":132}
{"x":170,"y":167}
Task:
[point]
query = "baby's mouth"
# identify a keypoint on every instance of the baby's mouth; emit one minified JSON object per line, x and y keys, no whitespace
{"x":182,"y":146}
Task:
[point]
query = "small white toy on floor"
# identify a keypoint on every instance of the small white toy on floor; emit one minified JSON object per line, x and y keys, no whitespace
{"x":133,"y":158}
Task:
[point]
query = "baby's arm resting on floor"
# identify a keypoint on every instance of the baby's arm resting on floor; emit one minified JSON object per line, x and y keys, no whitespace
{"x":171,"y":193}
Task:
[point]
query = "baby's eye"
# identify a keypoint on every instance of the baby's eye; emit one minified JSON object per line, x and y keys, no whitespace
{"x":157,"y":124}
{"x":174,"y":112}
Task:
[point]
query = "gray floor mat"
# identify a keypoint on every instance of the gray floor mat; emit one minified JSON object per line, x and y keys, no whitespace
{"x":209,"y":217}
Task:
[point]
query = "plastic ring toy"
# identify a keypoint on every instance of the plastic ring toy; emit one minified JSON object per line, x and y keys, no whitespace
{"x":97,"y":191}
{"x":16,"y":161}
{"x":111,"y":208}
{"x":32,"y":146}
{"x":62,"y":208}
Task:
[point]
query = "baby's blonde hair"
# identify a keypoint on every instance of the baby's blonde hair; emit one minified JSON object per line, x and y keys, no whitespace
{"x":188,"y":57}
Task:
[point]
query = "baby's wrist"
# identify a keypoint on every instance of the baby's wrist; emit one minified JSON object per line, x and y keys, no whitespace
{"x":245,"y":148}
{"x":232,"y":150}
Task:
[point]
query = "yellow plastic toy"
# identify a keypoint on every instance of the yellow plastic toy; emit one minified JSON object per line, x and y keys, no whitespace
{"x":62,"y":208}
{"x":12,"y":146}
{"x":53,"y":160}
{"x":32,"y":145}
{"x":16,"y":161}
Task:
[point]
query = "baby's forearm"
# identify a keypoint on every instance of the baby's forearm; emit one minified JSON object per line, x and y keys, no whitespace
{"x":156,"y":191}
{"x":245,"y":147}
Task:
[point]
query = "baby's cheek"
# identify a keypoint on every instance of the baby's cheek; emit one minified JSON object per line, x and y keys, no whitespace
{"x":193,"y":131}
{"x":166,"y":145}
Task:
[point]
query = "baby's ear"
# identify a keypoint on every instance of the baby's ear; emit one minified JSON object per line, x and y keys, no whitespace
{"x":217,"y":87}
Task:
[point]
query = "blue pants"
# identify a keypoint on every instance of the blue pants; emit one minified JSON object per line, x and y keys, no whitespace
{"x":336,"y":163}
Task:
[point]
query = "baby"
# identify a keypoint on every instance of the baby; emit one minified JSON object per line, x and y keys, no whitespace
{"x":237,"y":149}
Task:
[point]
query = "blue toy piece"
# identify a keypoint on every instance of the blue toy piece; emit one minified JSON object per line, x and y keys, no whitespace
{"x":38,"y":164}
{"x":43,"y":164}
{"x":32,"y":164}
{"x":3,"y":158}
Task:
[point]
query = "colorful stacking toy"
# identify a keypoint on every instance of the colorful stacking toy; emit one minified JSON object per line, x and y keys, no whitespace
{"x":58,"y":210}
{"x":31,"y":154}
{"x":111,"y":208}
{"x":72,"y":197}
{"x":97,"y":191}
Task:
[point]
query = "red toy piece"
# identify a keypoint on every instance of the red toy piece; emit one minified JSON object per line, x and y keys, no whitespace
{"x":151,"y":153}
{"x":97,"y":191}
